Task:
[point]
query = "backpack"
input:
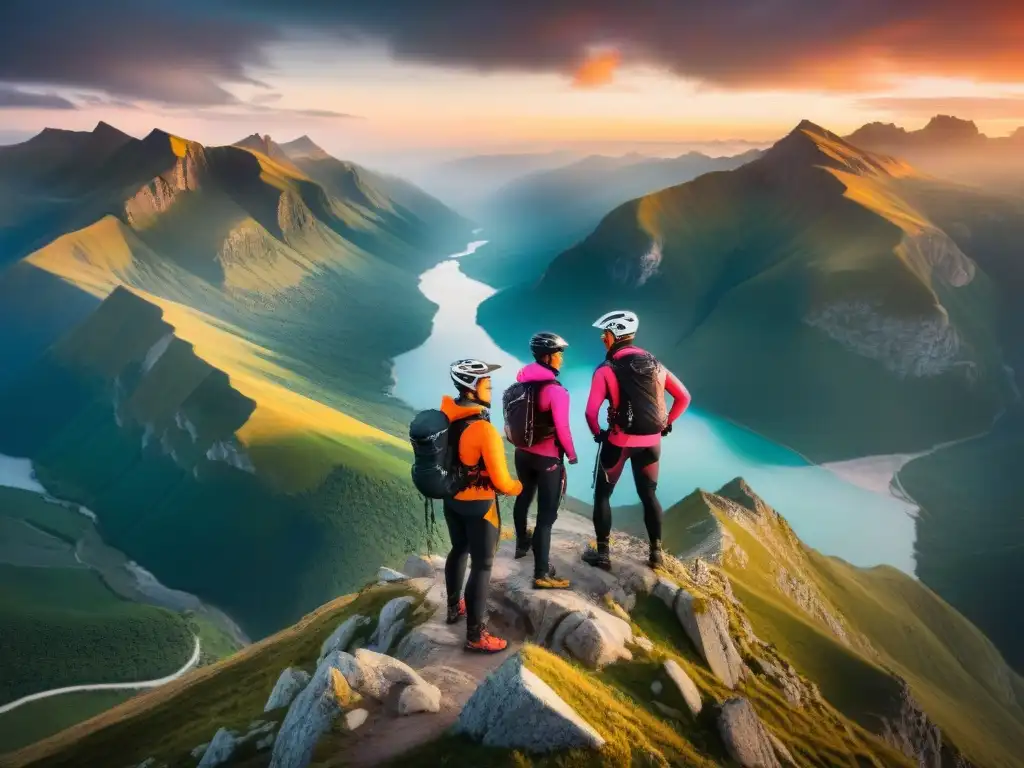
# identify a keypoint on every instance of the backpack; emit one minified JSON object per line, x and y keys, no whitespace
{"x":525,"y":424}
{"x":437,"y":472}
{"x":641,"y":408}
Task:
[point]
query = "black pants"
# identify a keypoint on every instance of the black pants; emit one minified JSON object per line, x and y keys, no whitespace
{"x":645,"y":464}
{"x":474,"y":534}
{"x":544,"y":478}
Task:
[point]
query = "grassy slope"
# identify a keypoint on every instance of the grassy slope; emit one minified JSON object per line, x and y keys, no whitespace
{"x":808,"y":225}
{"x":39,"y":719}
{"x":898,"y":627}
{"x":169,"y":722}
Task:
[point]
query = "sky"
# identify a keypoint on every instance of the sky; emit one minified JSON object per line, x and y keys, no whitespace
{"x":457,"y":77}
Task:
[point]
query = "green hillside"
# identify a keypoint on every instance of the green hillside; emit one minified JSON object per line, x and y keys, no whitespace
{"x":857,"y":632}
{"x":532,"y":219}
{"x":803,"y":289}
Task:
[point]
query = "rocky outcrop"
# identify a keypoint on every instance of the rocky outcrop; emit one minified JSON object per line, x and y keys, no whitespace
{"x":286,"y":688}
{"x":342,"y":637}
{"x":220,"y":749}
{"x":686,"y":687}
{"x":387,"y":575}
{"x":515,"y":709}
{"x":706,"y":623}
{"x":390,"y":623}
{"x":745,"y":737}
{"x":158,"y":195}
{"x":914,"y":734}
{"x":418,"y":566}
{"x":312,"y":714}
{"x":378,"y":676}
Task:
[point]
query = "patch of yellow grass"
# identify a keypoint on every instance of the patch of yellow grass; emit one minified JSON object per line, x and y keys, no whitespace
{"x":179,"y":146}
{"x":97,"y":258}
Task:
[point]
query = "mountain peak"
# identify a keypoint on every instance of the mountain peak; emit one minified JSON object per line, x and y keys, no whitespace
{"x":949,"y":128}
{"x":810,"y":145}
{"x":303,"y":147}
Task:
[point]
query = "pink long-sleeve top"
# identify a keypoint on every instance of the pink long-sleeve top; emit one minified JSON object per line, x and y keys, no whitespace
{"x":556,"y":400}
{"x":604,"y":386}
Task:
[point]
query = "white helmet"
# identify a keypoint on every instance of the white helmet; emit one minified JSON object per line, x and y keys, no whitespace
{"x":622,"y":323}
{"x":468,"y":373}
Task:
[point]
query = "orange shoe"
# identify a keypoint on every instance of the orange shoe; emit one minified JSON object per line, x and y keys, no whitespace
{"x":486,"y":643}
{"x":456,"y":612}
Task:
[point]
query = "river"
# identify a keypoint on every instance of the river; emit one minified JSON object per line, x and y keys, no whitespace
{"x":861,"y":523}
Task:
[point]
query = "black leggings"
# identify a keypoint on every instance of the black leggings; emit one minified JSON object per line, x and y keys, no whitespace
{"x":543,"y":477}
{"x":645,"y":464}
{"x":476,"y":537}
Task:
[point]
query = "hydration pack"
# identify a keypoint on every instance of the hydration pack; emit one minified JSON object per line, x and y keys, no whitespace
{"x":641,"y":408}
{"x":437,"y":472}
{"x":525,"y":424}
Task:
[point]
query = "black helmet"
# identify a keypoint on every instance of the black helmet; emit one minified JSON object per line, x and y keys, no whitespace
{"x":547,"y":344}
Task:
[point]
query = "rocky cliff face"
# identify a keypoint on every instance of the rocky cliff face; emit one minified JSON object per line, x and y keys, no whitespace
{"x":158,"y":195}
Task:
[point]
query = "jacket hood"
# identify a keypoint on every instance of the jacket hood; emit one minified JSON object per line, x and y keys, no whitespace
{"x":454,"y":411}
{"x":535,"y":372}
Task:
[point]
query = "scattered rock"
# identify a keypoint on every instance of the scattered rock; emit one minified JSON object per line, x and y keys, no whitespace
{"x":668,"y":711}
{"x":355,"y":718}
{"x":781,"y":751}
{"x":312,"y":713}
{"x":197,"y":752}
{"x":341,"y":637}
{"x":415,"y":647}
{"x":600,"y":640}
{"x":515,"y":709}
{"x":422,"y":697}
{"x":566,"y":627}
{"x":390,"y":575}
{"x":221,"y":747}
{"x":384,"y":643}
{"x":390,"y":614}
{"x":287,"y":687}
{"x":643,"y":643}
{"x":786,"y":678}
{"x":685,"y":685}
{"x":621,"y":597}
{"x":418,"y":566}
{"x":746,"y":738}
{"x":374,"y":674}
{"x":266,"y":742}
{"x":657,"y":687}
{"x":666,"y":591}
{"x":707,"y":625}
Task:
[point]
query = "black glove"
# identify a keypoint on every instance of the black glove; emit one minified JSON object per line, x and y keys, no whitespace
{"x":666,"y":431}
{"x":601,"y":436}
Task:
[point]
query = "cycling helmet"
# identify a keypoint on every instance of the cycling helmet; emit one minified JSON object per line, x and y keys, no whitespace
{"x":547,"y":344}
{"x":467,"y":373}
{"x":621,"y":323}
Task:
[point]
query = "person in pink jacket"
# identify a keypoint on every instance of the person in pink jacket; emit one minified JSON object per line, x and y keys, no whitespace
{"x":540,"y":467}
{"x":634,"y":383}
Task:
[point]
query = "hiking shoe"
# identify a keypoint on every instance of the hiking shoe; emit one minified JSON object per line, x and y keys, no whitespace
{"x":456,"y":612}
{"x":550,"y":581}
{"x":486,"y":643}
{"x":656,"y":560}
{"x":599,"y":558}
{"x":523,"y":547}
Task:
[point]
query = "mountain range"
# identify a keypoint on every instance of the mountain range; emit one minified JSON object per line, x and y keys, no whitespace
{"x":539,"y":215}
{"x":952,"y":148}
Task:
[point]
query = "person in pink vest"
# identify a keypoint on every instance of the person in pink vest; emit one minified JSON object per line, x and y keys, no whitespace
{"x":634,"y":383}
{"x":540,"y":466}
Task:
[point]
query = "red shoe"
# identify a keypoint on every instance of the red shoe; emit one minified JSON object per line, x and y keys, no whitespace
{"x":456,"y":612}
{"x":486,"y":643}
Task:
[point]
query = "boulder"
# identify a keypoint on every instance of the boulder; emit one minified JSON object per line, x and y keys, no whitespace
{"x":287,"y":687}
{"x":384,"y":642}
{"x":746,"y":738}
{"x":341,"y":637}
{"x":415,"y":648}
{"x":566,"y":627}
{"x":374,"y":674}
{"x":666,"y":591}
{"x":417,"y":566}
{"x":197,"y":752}
{"x":220,"y":750}
{"x":422,"y":697}
{"x":515,"y":709}
{"x":390,"y":614}
{"x":390,"y":575}
{"x":355,"y":718}
{"x":600,"y":640}
{"x":685,"y":685}
{"x":707,"y":625}
{"x":313,"y":712}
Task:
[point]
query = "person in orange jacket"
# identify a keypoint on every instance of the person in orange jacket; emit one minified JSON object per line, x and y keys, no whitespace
{"x":472,"y":515}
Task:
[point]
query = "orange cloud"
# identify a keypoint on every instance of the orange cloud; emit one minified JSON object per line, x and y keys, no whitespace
{"x":598,"y":69}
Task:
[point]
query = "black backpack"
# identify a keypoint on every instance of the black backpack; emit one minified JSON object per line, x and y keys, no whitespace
{"x":641,"y":408}
{"x":525,"y":424}
{"x":437,"y":472}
